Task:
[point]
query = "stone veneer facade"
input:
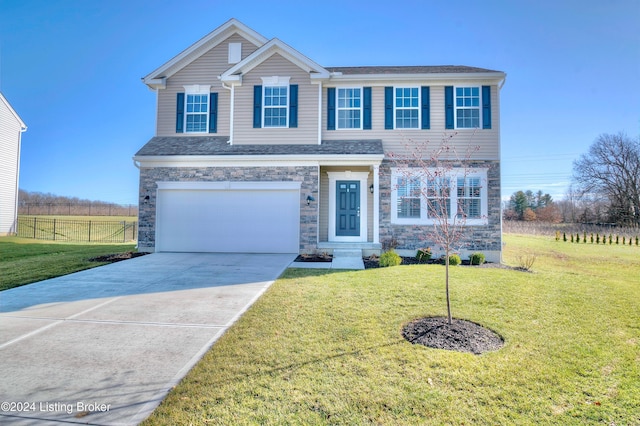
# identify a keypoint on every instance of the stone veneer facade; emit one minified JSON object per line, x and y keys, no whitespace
{"x":485,"y":238}
{"x":307,"y":175}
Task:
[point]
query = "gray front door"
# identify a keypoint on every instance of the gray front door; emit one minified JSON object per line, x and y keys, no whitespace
{"x":348,"y":208}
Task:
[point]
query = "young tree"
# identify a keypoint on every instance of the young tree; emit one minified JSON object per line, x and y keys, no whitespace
{"x":441,"y":170}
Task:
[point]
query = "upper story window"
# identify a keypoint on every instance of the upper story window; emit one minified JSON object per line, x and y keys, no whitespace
{"x":275,"y":106}
{"x":349,"y":108}
{"x":197,"y":113}
{"x":196,"y":109}
{"x":420,"y":198}
{"x":275,"y":103}
{"x":467,"y":107}
{"x":407,"y":107}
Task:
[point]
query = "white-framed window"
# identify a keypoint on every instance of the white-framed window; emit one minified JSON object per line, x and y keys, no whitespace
{"x":196,"y":108}
{"x":407,"y":107}
{"x":275,"y":101}
{"x":469,"y":190}
{"x":420,"y":198}
{"x":408,"y":202}
{"x":349,"y":108}
{"x":276,"y":106}
{"x":467,"y":107}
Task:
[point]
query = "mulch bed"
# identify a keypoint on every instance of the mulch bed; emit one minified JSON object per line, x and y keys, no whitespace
{"x":461,"y":335}
{"x":314,"y":258}
{"x":116,"y":257}
{"x":372,"y":262}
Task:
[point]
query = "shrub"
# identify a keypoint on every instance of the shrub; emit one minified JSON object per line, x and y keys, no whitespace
{"x":423,"y":254}
{"x":564,"y":236}
{"x":591,"y":238}
{"x":526,"y":261}
{"x":557,"y":235}
{"x":597,"y":238}
{"x":577,"y":237}
{"x":637,"y":240}
{"x":572,"y":237}
{"x":389,"y":258}
{"x":454,"y":260}
{"x":477,"y":258}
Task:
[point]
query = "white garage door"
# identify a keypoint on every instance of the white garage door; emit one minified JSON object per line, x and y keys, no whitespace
{"x":248,"y":217}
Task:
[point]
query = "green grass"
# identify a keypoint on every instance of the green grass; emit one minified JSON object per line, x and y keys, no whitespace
{"x":324,"y":347}
{"x":24,"y":261}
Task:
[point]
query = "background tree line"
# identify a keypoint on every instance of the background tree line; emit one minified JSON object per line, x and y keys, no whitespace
{"x":38,"y":203}
{"x":605,"y":188}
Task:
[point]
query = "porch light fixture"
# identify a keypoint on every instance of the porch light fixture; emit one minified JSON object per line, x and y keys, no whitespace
{"x":146,"y":199}
{"x":310,"y":199}
{"x":371,"y":188}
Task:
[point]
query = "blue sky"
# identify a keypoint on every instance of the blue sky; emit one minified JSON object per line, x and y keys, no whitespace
{"x":72,"y":70}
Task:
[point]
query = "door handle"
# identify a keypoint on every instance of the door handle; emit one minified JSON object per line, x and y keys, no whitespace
{"x":358,"y":211}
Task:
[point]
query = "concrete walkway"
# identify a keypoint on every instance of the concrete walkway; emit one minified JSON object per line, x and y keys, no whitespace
{"x":104,"y":346}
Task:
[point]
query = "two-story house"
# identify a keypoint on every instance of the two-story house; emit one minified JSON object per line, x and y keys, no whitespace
{"x":260,"y":149}
{"x":11,"y":129}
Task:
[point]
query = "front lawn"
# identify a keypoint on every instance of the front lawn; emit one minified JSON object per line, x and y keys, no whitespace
{"x":24,"y":261}
{"x":324,"y":347}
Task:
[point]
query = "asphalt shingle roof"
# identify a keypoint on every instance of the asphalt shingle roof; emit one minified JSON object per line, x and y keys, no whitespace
{"x":217,"y":145}
{"x":435,"y":69}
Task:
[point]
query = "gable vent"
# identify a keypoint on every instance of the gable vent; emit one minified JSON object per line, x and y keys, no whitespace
{"x":235,"y":53}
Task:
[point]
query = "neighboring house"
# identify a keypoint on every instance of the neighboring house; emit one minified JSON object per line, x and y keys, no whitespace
{"x":260,"y":149}
{"x":11,"y":129}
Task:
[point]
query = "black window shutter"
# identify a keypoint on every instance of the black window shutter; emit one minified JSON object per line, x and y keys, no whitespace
{"x":331,"y":108}
{"x":388,"y":108}
{"x":366,"y":110}
{"x":486,"y":107}
{"x":448,"y":106}
{"x":257,"y":106}
{"x":213,"y":112}
{"x":180,"y":113}
{"x":293,"y":105}
{"x":426,"y":108}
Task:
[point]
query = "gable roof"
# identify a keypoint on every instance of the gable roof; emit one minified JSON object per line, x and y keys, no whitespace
{"x":23,"y":127}
{"x":266,"y":51}
{"x":157,"y":77}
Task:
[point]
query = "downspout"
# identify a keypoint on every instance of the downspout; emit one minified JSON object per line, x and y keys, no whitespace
{"x":232,"y":95}
{"x":14,"y":226}
{"x":320,"y":113}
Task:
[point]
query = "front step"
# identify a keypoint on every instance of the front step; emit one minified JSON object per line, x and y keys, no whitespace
{"x":347,"y":259}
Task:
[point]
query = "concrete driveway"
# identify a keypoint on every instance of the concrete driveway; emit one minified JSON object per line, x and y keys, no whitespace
{"x":104,"y":346}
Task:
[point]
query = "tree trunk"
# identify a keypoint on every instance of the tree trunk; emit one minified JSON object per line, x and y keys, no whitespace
{"x":446,"y":268}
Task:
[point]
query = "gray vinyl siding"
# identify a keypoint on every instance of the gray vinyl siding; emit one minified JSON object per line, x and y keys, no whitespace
{"x":398,"y":140}
{"x":204,"y":70}
{"x":307,"y":130}
{"x":9,"y":151}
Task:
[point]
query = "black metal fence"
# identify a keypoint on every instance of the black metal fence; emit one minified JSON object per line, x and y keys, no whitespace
{"x":77,"y":209}
{"x":77,"y":230}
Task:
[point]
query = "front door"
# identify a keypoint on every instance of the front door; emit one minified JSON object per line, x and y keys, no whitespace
{"x":348,"y":208}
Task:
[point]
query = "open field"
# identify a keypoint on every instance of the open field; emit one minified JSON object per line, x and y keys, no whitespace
{"x":23,"y":261}
{"x":324,"y":347}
